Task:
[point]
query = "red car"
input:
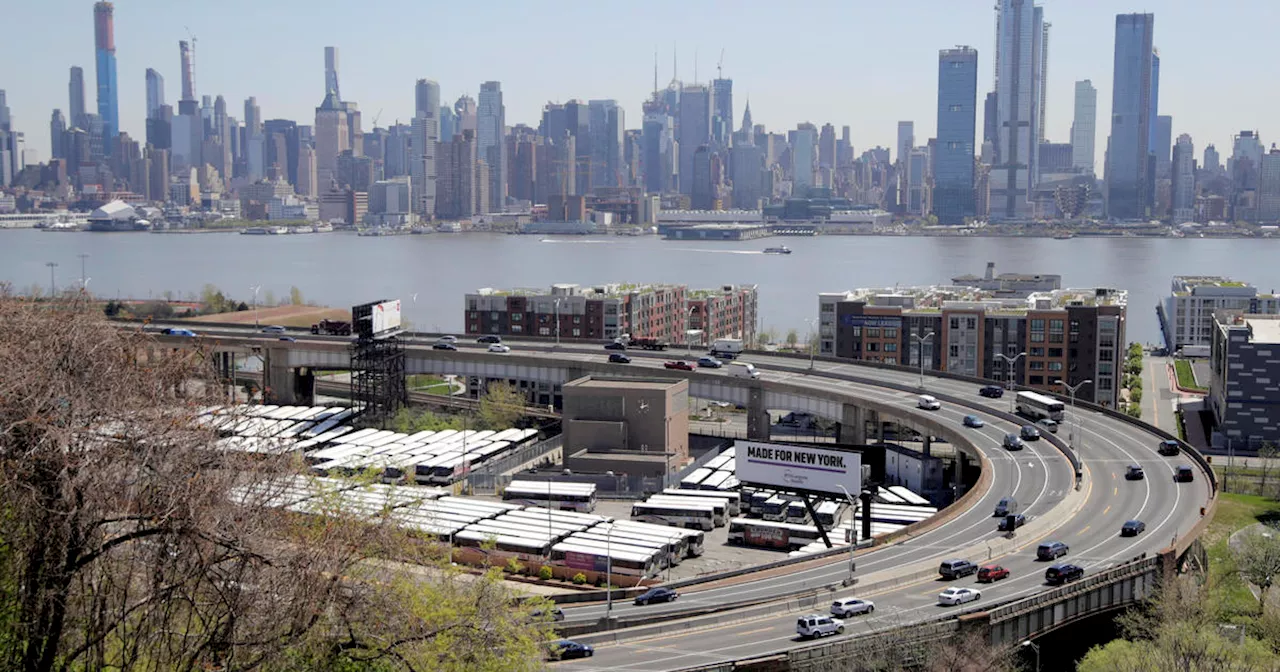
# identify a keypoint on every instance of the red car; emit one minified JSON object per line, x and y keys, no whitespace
{"x":991,"y":573}
{"x":678,"y":364}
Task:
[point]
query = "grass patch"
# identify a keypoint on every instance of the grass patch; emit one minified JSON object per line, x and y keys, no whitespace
{"x":1234,"y":512}
{"x":422,"y":380}
{"x":1186,"y":376}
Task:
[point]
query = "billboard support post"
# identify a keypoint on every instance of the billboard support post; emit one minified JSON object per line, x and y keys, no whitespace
{"x":822,"y":530}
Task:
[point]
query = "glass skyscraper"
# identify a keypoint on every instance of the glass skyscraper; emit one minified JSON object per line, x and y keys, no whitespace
{"x":953,"y":198}
{"x":1129,"y":164}
{"x":105,"y":52}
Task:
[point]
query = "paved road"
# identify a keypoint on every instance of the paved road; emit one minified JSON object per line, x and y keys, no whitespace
{"x":1039,"y":477}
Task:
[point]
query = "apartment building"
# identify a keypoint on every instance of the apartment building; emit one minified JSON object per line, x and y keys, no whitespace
{"x":1070,"y":335}
{"x":1244,"y":394}
{"x":1186,"y":315}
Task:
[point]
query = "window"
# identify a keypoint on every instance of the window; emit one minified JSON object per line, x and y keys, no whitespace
{"x":954,"y":350}
{"x":1037,"y":380}
{"x":1104,"y":355}
{"x":1036,"y":366}
{"x":543,"y":331}
{"x":516,"y":317}
{"x":972,"y":323}
{"x":516,"y":329}
{"x":577,"y":332}
{"x":890,"y":347}
{"x":856,"y":332}
{"x":890,"y":360}
{"x":1104,"y":383}
{"x":494,"y":315}
{"x":873,"y":347}
{"x":873,"y":332}
{"x":1055,"y":366}
{"x":955,"y":323}
{"x":828,"y":307}
{"x":1055,"y":352}
{"x":577,"y":319}
{"x":1037,"y":352}
{"x":475,"y":328}
{"x":890,"y":332}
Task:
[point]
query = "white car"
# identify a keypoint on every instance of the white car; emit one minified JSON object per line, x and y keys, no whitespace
{"x":929,"y":402}
{"x":498,"y":347}
{"x":817,"y":625}
{"x":953,"y":596}
{"x":851,"y":606}
{"x":447,"y":339}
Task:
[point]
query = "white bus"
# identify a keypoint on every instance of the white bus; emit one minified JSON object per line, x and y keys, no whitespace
{"x":616,"y":542}
{"x":718,"y":507}
{"x":768,"y":534}
{"x":695,"y":477}
{"x":596,"y":559}
{"x":716,"y":480}
{"x":905,"y":515}
{"x":907,"y":495}
{"x":829,"y":512}
{"x":797,"y":513}
{"x":1039,"y":406}
{"x":675,"y":515}
{"x":551,"y":494}
{"x":525,"y":549}
{"x":692,"y":539}
{"x":673,"y":544}
{"x":775,"y":508}
{"x":733,"y":507}
{"x":889,"y":497}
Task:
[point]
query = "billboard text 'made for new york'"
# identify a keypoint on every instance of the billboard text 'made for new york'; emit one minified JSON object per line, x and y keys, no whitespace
{"x":798,"y":467}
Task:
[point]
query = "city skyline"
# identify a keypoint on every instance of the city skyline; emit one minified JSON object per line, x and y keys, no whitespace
{"x":903,"y":82}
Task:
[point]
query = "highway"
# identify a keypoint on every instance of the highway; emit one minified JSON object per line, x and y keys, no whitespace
{"x":1039,"y":477}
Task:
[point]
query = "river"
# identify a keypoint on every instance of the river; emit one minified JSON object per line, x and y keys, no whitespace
{"x":342,"y":269}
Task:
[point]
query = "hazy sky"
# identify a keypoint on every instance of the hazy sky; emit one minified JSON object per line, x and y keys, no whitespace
{"x":857,"y":62}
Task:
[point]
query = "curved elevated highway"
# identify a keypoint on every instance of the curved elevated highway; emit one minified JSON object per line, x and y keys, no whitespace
{"x":1088,"y":519}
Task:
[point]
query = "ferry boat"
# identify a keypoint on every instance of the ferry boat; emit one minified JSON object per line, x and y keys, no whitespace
{"x":255,"y":231}
{"x":1064,"y":236}
{"x":322,"y":228}
{"x":777,"y":250}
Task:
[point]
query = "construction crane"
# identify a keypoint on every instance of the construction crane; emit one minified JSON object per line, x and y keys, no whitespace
{"x":720,"y":66}
{"x":375,"y":118}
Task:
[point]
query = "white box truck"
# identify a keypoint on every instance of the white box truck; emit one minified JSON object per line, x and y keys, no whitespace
{"x":742,"y":370}
{"x":726,"y":348}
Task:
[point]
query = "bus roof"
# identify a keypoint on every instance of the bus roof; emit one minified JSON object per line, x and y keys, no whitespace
{"x":617,"y":554}
{"x":1036,"y":396}
{"x":552,"y":487}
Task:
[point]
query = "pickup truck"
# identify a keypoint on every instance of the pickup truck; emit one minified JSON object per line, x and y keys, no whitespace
{"x":678,"y":364}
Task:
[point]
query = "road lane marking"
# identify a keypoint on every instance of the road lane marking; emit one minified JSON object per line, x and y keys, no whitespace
{"x":1104,"y":511}
{"x":1115,"y":491}
{"x":1086,"y":529}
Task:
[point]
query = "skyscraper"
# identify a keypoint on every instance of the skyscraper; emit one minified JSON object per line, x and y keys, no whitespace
{"x":1018,"y":80}
{"x":658,"y":142}
{"x":693,"y":129}
{"x":187,"y":51}
{"x":1084,"y":127}
{"x":957,"y":127}
{"x":255,"y":150}
{"x":155,"y":93}
{"x":423,"y":146}
{"x":1184,"y":179}
{"x":490,"y":128}
{"x":465,"y":109}
{"x":906,"y":141}
{"x":1163,"y":145}
{"x":331,"y":72}
{"x":1128,"y":174}
{"x":333,"y":137}
{"x":1269,"y":187}
{"x":990,"y":115}
{"x":1212,"y":161}
{"x":605,"y":122}
{"x":105,"y":51}
{"x":57,"y":135}
{"x":1044,"y":76}
{"x":75,"y":87}
{"x":804,"y":143}
{"x":722,"y":112}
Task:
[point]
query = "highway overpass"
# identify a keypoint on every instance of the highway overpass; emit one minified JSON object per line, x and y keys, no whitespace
{"x":1082,"y":505}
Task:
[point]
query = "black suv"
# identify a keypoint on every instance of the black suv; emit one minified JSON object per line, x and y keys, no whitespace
{"x":1063,"y":573}
{"x":1183,"y":474}
{"x":1133,"y":528}
{"x":489,"y":338}
{"x":1051,"y":550}
{"x":992,"y":391}
{"x":657,"y":595}
{"x":1134,"y":473}
{"x":954,"y":569}
{"x":1018,"y":521}
{"x":1170,"y":448}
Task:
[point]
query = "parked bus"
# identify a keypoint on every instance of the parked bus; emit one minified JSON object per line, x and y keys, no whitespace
{"x":675,"y":515}
{"x":733,"y":507}
{"x":717,"y":507}
{"x":617,"y":542}
{"x":829,"y":513}
{"x":907,"y":495}
{"x":889,"y":497}
{"x":768,"y":534}
{"x":671,"y":543}
{"x":1039,"y":406}
{"x":552,"y":494}
{"x":884,"y":513}
{"x":775,"y":508}
{"x":695,"y":477}
{"x":597,"y":559}
{"x":692,"y":539}
{"x":797,"y":513}
{"x":525,"y":549}
{"x":715,"y":481}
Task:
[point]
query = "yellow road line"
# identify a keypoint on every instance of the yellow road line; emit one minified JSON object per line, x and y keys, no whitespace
{"x":1086,"y":529}
{"x":1104,"y":511}
{"x":1115,"y":491}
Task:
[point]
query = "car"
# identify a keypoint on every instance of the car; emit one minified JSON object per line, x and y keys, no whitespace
{"x":973,"y":421}
{"x":658,"y":594}
{"x":498,"y":347}
{"x":557,"y":614}
{"x":444,"y":346}
{"x":1062,"y":573}
{"x":1018,"y":521}
{"x":955,"y":569}
{"x":615,"y":346}
{"x":1012,"y":442}
{"x":1183,"y":474}
{"x":817,"y":625}
{"x":288,"y":339}
{"x":992,"y":573}
{"x":1132,"y":528}
{"x":1029,"y":433}
{"x":852,"y":606}
{"x":1050,"y":425}
{"x":489,"y":338}
{"x":991,"y":391}
{"x":447,"y":339}
{"x":1051,"y":550}
{"x":618,"y":358}
{"x":928,"y":402}
{"x":1006,"y":506}
{"x":1169,"y":448}
{"x":1134,"y":473}
{"x":273,"y":329}
{"x":709,"y":363}
{"x":678,"y":364}
{"x":954,"y":596}
{"x":565,"y":649}
{"x":178,"y":332}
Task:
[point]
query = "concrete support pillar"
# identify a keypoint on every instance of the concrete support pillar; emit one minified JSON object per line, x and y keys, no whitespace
{"x":879,"y":433}
{"x":758,"y":420}
{"x":852,"y":428}
{"x":279,"y":377}
{"x":927,"y":445}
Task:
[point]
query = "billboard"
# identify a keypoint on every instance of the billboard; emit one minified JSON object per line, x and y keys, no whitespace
{"x":768,"y":537}
{"x":798,"y":467}
{"x":386,"y":316}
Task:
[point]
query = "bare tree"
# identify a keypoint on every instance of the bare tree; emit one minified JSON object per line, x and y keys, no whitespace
{"x":124,"y":548}
{"x":1258,"y":558}
{"x":1268,"y":453}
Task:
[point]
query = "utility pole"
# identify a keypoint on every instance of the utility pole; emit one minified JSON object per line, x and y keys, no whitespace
{"x":53,"y":289}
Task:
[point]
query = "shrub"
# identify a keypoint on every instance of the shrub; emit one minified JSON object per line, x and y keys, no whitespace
{"x":545,"y":573}
{"x":579,"y":578}
{"x":513,"y":566}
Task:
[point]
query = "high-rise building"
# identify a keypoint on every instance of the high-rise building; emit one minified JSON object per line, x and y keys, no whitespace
{"x":104,"y":42}
{"x":990,"y":123}
{"x":75,"y":88}
{"x":423,"y":146}
{"x":465,"y":110}
{"x":1019,"y":79}
{"x":747,"y":172}
{"x":456,"y":195}
{"x":1212,"y":161}
{"x":332,"y":135}
{"x":693,"y":129}
{"x":704,"y":187}
{"x":1163,"y":146}
{"x":606,"y":125}
{"x":1184,"y":180}
{"x":1084,"y":127}
{"x":490,"y":128}
{"x":306,"y":184}
{"x":1128,"y":176}
{"x":522,"y":160}
{"x":1269,"y":187}
{"x":448,"y":122}
{"x":557,"y":175}
{"x":827,"y":146}
{"x":804,"y":145}
{"x":187,"y":54}
{"x":155,"y":93}
{"x":57,"y":135}
{"x":659,"y":161}
{"x":957,"y":127}
{"x":331,"y":72}
{"x":721,"y":112}
{"x":906,"y":142}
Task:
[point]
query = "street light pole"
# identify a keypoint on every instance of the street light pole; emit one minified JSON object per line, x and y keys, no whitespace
{"x":1075,"y":419}
{"x":811,"y":322}
{"x":255,"y":289}
{"x":53,"y":288}
{"x":1032,"y":645}
{"x":608,"y":572}
{"x":557,"y":302}
{"x":920,"y":341}
{"x":1011,"y":373}
{"x":84,"y":279}
{"x":853,"y":534}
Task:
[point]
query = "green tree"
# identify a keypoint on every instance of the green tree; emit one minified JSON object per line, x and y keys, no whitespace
{"x":1268,"y":453}
{"x":1257,"y":557}
{"x":500,"y":407}
{"x":295,"y":296}
{"x":793,"y":337}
